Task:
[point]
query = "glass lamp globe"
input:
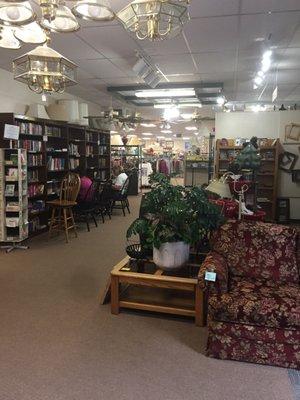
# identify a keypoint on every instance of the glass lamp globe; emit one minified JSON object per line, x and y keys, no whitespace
{"x":64,"y":21}
{"x":95,"y":10}
{"x":16,"y":14}
{"x":31,"y":33}
{"x":7,"y":38}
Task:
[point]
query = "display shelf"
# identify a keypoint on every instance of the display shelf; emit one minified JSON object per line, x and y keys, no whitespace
{"x":56,"y":139}
{"x":266,"y":177}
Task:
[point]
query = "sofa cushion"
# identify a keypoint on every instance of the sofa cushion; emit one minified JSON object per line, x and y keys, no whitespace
{"x":259,"y":250}
{"x":258,"y":302}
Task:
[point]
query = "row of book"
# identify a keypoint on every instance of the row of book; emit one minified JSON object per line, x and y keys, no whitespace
{"x":29,"y":128}
{"x":35,"y":160}
{"x":55,"y":163}
{"x":74,"y":149}
{"x":53,"y":131}
{"x":30,"y":145}
{"x":35,"y":189}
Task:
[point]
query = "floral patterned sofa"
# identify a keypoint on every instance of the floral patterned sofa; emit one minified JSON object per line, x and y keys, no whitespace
{"x":254,"y":305}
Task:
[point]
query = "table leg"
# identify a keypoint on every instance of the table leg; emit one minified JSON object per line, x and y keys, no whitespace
{"x":114,"y":288}
{"x":199,"y":309}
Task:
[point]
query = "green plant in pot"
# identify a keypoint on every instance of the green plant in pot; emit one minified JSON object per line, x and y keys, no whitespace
{"x":172,"y":218}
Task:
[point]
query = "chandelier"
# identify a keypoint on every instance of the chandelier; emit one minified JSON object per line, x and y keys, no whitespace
{"x":155,"y":19}
{"x":44,"y":70}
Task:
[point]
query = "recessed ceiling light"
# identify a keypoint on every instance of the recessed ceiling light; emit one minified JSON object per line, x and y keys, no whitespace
{"x":191,"y":128}
{"x":166,"y":131}
{"x":185,"y":138}
{"x":146,"y":125}
{"x":147,"y":134}
{"x":146,"y":138}
{"x":187,"y":92}
{"x":160,"y":137}
{"x":221,"y":100}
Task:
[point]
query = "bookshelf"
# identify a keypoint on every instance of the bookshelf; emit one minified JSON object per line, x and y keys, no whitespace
{"x":13,"y":197}
{"x":267,"y":175}
{"x":53,"y":149}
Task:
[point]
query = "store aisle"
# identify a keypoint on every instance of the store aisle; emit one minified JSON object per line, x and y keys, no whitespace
{"x":57,"y":343}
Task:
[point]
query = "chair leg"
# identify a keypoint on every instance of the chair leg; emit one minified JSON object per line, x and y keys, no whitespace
{"x":73,"y":221}
{"x":51,"y":222}
{"x":123,"y":207}
{"x":66,"y":224}
{"x":127,"y":206}
{"x":93,"y":216}
{"x":87,"y":222}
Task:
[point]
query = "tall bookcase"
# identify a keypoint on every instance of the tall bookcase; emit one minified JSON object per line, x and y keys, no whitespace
{"x":53,"y":149}
{"x":13,"y":197}
{"x":267,"y":175}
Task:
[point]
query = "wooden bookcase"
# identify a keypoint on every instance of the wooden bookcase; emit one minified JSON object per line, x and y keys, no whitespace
{"x":53,"y":149}
{"x":267,"y":176}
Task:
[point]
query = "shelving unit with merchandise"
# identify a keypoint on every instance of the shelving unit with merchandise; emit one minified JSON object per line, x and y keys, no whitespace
{"x":53,"y":149}
{"x":129,"y":157}
{"x":267,"y":175}
{"x":13,"y":197}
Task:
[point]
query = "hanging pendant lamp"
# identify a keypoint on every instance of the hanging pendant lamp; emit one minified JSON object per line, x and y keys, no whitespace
{"x":95,"y":10}
{"x":64,"y":21}
{"x":16,"y":14}
{"x":7,"y":38}
{"x":31,"y":33}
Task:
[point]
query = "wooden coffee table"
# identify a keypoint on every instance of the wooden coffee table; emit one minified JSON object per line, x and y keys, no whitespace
{"x":141,"y":285}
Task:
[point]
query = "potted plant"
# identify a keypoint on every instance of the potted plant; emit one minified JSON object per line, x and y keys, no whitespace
{"x":172,"y":218}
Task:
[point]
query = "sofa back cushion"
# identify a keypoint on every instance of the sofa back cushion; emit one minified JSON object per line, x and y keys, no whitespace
{"x":259,"y":250}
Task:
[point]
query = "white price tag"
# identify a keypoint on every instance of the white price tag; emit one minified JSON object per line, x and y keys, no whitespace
{"x":210,"y":276}
{"x":45,"y":138}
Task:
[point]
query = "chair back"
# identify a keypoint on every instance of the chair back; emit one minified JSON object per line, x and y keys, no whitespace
{"x":258,"y":250}
{"x":70,"y":187}
{"x":125,"y":187}
{"x":106,"y":193}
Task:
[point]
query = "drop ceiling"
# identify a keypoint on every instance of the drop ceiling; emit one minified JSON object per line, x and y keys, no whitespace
{"x":223,"y":42}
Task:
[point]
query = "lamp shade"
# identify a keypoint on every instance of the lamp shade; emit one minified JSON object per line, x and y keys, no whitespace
{"x":7,"y":40}
{"x":31,"y":33}
{"x":64,"y":21}
{"x":16,"y":14}
{"x":95,"y":10}
{"x":220,"y":188}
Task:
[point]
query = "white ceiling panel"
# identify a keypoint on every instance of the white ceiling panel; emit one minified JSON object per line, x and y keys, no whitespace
{"x":173,"y":64}
{"x":255,"y":6}
{"x":111,"y":41}
{"x":101,"y":68}
{"x":291,"y":76}
{"x":176,"y":45}
{"x":288,"y":58}
{"x":279,"y":27}
{"x":215,"y":62}
{"x":73,"y":47}
{"x":121,"y":81}
{"x":212,"y":34}
{"x":205,"y":8}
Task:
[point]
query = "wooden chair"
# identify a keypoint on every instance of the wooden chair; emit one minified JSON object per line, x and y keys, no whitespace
{"x":62,"y":218}
{"x":120,"y":198}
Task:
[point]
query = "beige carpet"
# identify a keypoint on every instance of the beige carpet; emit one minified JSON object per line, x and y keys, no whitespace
{"x":57,"y":343}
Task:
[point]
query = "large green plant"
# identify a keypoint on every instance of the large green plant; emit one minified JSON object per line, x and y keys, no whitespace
{"x":174,"y":213}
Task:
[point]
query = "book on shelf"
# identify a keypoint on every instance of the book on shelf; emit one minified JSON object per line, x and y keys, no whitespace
{"x":54,"y":131}
{"x":56,"y":164}
{"x":35,"y":189}
{"x":35,"y":160}
{"x":29,"y":128}
{"x":12,"y":222}
{"x":13,"y":206}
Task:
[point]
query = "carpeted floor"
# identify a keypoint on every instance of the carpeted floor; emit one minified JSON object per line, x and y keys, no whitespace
{"x":57,"y":343}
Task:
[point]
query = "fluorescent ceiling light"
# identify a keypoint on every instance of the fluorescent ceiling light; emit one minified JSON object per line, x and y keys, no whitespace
{"x":188,"y":105}
{"x":171,"y":113}
{"x":146,"y":138}
{"x":258,"y":107}
{"x":163,"y":106}
{"x":191,"y":128}
{"x":166,"y":131}
{"x":185,"y":138}
{"x":147,"y":134}
{"x":187,"y":116}
{"x":114,"y":132}
{"x":160,"y":137}
{"x":145,"y":125}
{"x":267,"y":54}
{"x":197,"y":133}
{"x":166,"y":93}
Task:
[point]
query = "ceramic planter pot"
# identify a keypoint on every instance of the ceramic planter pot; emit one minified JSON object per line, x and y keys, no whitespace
{"x":171,"y":255}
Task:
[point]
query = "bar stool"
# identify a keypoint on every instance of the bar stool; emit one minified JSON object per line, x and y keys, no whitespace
{"x":62,"y":218}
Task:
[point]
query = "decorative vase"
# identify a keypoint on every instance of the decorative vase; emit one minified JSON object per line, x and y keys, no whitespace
{"x":171,"y":255}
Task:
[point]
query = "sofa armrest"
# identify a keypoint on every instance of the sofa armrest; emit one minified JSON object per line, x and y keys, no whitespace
{"x":216,"y":263}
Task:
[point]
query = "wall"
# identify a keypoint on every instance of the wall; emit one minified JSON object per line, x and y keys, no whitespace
{"x":265,"y":124}
{"x":16,"y":96}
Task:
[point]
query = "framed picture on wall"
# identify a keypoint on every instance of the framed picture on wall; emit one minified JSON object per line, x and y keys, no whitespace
{"x":287,"y":161}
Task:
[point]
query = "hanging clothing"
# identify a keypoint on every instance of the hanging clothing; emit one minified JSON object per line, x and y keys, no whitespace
{"x":146,"y":172}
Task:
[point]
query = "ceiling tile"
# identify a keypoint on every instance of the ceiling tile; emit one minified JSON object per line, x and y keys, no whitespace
{"x":212,"y":34}
{"x":111,"y":41}
{"x":215,"y":62}
{"x":176,"y":45}
{"x":101,"y":68}
{"x":206,"y":8}
{"x":280,"y":28}
{"x":255,"y":6}
{"x":71,"y":46}
{"x":173,"y":64}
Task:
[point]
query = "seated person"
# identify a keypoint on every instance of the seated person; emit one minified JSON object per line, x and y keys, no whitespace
{"x":120,"y":179}
{"x":85,"y":192}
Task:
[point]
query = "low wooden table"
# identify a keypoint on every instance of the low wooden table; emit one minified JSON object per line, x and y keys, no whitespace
{"x":141,"y":285}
